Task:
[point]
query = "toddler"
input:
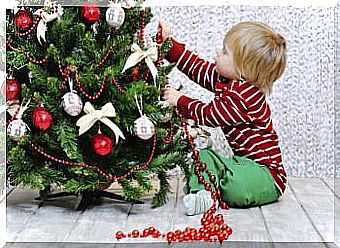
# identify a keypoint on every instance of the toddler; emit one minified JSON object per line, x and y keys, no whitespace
{"x":252,"y":59}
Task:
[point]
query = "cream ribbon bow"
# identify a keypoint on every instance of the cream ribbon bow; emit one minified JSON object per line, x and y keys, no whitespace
{"x":87,"y":121}
{"x":46,"y":17}
{"x":149,"y":55}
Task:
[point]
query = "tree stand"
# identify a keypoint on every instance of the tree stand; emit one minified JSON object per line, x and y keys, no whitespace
{"x":85,"y":198}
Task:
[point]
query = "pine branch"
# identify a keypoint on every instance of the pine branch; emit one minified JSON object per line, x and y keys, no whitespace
{"x":68,"y":138}
{"x":161,"y":197}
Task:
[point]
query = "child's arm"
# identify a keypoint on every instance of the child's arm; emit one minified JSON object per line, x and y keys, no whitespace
{"x":200,"y":71}
{"x":228,"y":110}
{"x":225,"y":111}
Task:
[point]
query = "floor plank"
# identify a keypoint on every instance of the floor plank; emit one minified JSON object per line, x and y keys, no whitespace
{"x":19,"y":210}
{"x":98,"y":223}
{"x":287,"y":222}
{"x":143,"y":216}
{"x":50,"y":224}
{"x":337,"y":212}
{"x":317,"y":200}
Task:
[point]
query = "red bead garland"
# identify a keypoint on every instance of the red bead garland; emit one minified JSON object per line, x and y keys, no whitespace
{"x":82,"y":91}
{"x":28,"y":56}
{"x":13,"y":117}
{"x":172,"y":133}
{"x":100,"y":172}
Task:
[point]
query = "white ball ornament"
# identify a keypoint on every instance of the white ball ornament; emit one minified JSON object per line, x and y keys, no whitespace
{"x":72,"y":104}
{"x":16,"y":129}
{"x":115,"y":16}
{"x":144,"y":128}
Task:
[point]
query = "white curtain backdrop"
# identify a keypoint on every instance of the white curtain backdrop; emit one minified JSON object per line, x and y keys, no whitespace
{"x":303,"y":99}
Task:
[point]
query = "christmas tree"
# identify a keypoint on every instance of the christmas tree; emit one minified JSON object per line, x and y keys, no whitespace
{"x":84,"y":101}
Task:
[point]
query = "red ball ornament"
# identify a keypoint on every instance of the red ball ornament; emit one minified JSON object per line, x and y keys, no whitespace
{"x":90,"y":12}
{"x":101,"y":144}
{"x":23,"y":20}
{"x":12,"y":89}
{"x":42,"y":118}
{"x":136,"y":74}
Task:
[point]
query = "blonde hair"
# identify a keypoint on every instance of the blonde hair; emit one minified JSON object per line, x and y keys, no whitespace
{"x":259,"y":53}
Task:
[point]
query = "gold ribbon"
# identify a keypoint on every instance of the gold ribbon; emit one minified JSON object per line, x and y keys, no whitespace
{"x":138,"y":55}
{"x":87,"y":121}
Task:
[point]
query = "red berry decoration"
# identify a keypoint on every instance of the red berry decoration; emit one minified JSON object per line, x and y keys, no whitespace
{"x":12,"y":89}
{"x":90,"y":12}
{"x":23,"y":20}
{"x":42,"y":118}
{"x":101,"y":144}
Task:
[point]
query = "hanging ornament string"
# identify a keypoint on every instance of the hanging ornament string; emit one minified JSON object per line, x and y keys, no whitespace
{"x":26,"y":54}
{"x":100,"y":172}
{"x":139,"y":104}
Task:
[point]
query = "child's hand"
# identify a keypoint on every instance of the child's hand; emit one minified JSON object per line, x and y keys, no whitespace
{"x":171,"y":96}
{"x":164,"y":31}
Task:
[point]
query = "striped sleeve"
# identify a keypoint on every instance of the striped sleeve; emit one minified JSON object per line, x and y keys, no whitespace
{"x":198,"y":70}
{"x":219,"y":112}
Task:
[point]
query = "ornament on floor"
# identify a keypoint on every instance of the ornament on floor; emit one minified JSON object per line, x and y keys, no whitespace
{"x":101,"y":144}
{"x":71,"y":102}
{"x":23,"y":20}
{"x":115,"y":15}
{"x":150,"y":55}
{"x":12,"y":88}
{"x":18,"y":128}
{"x":90,"y":12}
{"x":93,"y":115}
{"x":42,"y":118}
{"x":50,"y":12}
{"x":144,"y":128}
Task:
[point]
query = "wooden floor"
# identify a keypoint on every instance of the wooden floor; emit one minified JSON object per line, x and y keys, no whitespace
{"x":304,"y":214}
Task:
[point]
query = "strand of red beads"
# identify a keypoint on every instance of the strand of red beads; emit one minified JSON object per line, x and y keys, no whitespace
{"x":213,"y":226}
{"x":100,"y":172}
{"x":28,"y":56}
{"x":171,"y":135}
{"x":102,"y":61}
{"x":82,"y":91}
{"x":13,"y":117}
{"x":119,"y":88}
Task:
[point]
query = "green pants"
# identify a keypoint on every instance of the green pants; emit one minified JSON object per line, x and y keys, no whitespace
{"x":242,"y":182}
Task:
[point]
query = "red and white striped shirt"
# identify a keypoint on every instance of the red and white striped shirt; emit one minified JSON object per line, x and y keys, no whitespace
{"x":239,"y":108}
